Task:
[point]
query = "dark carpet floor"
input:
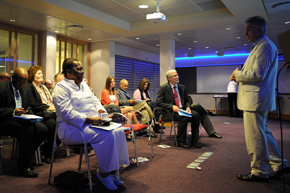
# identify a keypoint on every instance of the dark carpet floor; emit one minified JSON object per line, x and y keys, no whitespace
{"x":167,"y":171}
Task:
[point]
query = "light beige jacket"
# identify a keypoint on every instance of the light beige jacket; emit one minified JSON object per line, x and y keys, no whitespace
{"x":257,"y":78}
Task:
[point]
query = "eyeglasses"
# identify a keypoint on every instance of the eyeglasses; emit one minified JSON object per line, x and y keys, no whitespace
{"x":175,"y":75}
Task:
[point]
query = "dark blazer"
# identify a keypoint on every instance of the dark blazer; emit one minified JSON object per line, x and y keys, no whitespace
{"x":35,"y":100}
{"x":165,"y":99}
{"x":7,"y":100}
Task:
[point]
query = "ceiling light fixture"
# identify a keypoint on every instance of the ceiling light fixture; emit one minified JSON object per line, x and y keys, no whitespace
{"x":195,"y":41}
{"x":179,"y":34}
{"x":89,"y":39}
{"x":228,"y":28}
{"x":137,"y":38}
{"x":189,"y":48}
{"x":157,"y":44}
{"x":206,"y":47}
{"x":143,"y":6}
{"x":245,"y":44}
{"x":287,"y":22}
{"x":238,"y":37}
{"x":56,"y":31}
{"x":12,"y":20}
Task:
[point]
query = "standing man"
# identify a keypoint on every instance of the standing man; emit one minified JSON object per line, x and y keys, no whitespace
{"x":14,"y":101}
{"x":256,"y":96}
{"x":172,"y":97}
{"x":125,"y":100}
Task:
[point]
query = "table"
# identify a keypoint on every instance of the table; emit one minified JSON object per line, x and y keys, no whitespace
{"x":221,"y":99}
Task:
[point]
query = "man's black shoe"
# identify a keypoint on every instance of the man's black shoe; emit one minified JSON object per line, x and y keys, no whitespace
{"x":46,"y":159}
{"x":252,"y":178}
{"x":180,"y":144}
{"x":211,"y":113}
{"x":195,"y":144}
{"x":277,"y":174}
{"x":27,"y":173}
{"x":158,"y":131}
{"x":215,"y":135}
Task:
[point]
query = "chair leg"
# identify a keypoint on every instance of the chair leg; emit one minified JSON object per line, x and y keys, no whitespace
{"x":1,"y":164}
{"x":173,"y":125}
{"x":89,"y":169}
{"x":161,"y":131}
{"x":80,"y":160}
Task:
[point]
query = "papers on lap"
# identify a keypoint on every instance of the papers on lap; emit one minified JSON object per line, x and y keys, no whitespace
{"x":27,"y":118}
{"x":110,"y":127}
{"x":182,"y":112}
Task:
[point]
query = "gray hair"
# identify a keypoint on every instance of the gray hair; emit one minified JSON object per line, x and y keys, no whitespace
{"x":259,"y":22}
{"x":169,"y":73}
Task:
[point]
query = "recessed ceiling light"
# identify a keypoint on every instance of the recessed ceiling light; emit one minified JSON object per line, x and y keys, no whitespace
{"x":195,"y":41}
{"x":157,"y":44}
{"x":245,"y":44}
{"x":143,"y":6}
{"x":189,"y":48}
{"x":228,"y":28}
{"x":12,"y":20}
{"x":287,"y":22}
{"x":238,"y":37}
{"x":179,"y":34}
{"x":56,"y":31}
{"x":216,"y":51}
{"x":206,"y":47}
{"x":89,"y":39}
{"x":137,"y":38}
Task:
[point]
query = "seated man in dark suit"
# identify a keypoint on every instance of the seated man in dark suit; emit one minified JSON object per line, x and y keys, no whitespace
{"x":172,"y":97}
{"x":14,"y":101}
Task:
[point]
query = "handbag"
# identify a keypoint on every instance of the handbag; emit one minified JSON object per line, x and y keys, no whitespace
{"x":112,"y":108}
{"x":47,"y":114}
{"x":71,"y":180}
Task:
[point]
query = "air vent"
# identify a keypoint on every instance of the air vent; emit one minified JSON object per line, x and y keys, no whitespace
{"x":281,"y":6}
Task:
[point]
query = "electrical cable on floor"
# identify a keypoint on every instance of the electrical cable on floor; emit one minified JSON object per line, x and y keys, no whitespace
{"x":280,"y":120}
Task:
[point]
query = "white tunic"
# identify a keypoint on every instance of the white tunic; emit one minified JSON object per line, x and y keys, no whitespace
{"x":73,"y":104}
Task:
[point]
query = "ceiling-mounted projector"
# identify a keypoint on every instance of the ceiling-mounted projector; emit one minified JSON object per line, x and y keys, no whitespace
{"x":156,"y":17}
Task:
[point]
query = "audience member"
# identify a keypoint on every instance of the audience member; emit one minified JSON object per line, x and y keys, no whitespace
{"x":4,"y":76}
{"x":41,"y":104}
{"x":202,"y":114}
{"x":142,"y":92}
{"x":109,"y":96}
{"x":58,"y":77}
{"x":88,"y":85}
{"x":77,"y":108}
{"x":14,"y":101}
{"x":173,"y":97}
{"x":232,"y":91}
{"x":256,"y":96}
{"x":49,"y":86}
{"x":125,"y":99}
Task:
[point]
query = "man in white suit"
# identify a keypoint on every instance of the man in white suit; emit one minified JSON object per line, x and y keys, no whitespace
{"x":256,"y":96}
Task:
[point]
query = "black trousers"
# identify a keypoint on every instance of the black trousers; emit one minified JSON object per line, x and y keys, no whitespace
{"x":48,"y":143}
{"x":232,"y":98}
{"x":29,"y":136}
{"x":182,"y":127}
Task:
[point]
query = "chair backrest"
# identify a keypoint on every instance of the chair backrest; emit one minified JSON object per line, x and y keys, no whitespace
{"x":112,"y":108}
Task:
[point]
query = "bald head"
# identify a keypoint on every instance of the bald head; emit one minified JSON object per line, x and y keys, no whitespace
{"x":123,"y":84}
{"x":19,"y":77}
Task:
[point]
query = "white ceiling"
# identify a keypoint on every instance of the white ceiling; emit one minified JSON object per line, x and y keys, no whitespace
{"x":204,"y":21}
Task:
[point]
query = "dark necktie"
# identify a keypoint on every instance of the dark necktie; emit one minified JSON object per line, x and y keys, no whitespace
{"x":176,"y":97}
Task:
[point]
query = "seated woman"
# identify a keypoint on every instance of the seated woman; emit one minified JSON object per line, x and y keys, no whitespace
{"x":41,"y":104}
{"x":77,"y":108}
{"x":109,"y":96}
{"x":142,"y":92}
